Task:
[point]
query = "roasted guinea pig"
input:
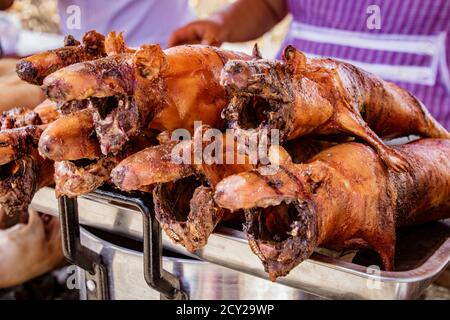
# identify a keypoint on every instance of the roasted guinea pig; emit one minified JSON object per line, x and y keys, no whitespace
{"x":183,"y":190}
{"x":301,"y":96}
{"x":22,"y":170}
{"x":36,"y":67}
{"x":183,"y":195}
{"x":133,"y":90}
{"x":344,"y":197}
{"x":80,"y":167}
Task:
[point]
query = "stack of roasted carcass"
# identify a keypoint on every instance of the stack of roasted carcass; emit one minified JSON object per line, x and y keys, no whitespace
{"x":118,"y":108}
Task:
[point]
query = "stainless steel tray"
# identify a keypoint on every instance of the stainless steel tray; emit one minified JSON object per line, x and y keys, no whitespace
{"x":422,"y":253}
{"x":200,"y":279}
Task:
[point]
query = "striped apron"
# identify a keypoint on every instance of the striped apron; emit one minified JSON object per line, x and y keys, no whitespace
{"x":403,"y":41}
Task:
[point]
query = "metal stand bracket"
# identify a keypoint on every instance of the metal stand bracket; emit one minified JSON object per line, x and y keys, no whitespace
{"x":157,"y":278}
{"x":96,"y":274}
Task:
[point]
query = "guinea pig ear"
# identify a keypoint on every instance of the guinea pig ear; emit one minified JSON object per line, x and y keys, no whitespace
{"x":149,"y":61}
{"x":94,"y":42}
{"x":256,"y":54}
{"x":115,"y":44}
{"x":294,"y":59}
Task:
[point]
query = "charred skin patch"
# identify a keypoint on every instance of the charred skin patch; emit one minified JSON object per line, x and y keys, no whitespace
{"x":282,"y":236}
{"x":261,"y":96}
{"x":117,"y":120}
{"x":35,"y":68}
{"x":18,"y":183}
{"x":72,"y":106}
{"x":73,"y":178}
{"x":186,"y":211}
{"x":177,"y":196}
{"x":28,"y":72}
{"x":17,"y":142}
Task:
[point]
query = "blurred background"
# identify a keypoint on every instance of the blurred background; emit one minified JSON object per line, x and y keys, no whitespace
{"x":41,"y":16}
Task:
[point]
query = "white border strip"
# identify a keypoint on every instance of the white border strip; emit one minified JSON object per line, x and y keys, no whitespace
{"x":419,"y":75}
{"x":418,"y":44}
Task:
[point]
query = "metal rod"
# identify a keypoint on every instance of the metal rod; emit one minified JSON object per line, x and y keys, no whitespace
{"x":157,"y":278}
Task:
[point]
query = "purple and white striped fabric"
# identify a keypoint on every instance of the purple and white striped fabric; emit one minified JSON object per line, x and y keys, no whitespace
{"x":411,"y":47}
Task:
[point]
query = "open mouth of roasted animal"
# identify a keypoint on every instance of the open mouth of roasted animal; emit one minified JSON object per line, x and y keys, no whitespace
{"x":76,"y":177}
{"x":282,"y":235}
{"x":259,"y":96}
{"x":108,"y":87}
{"x":186,"y":210}
{"x":17,"y":184}
{"x":116,"y":119}
{"x":252,"y":112}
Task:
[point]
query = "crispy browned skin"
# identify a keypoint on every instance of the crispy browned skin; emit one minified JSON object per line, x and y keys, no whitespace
{"x":21,"y":130}
{"x":73,"y":179}
{"x":21,"y":178}
{"x":36,"y":67}
{"x":44,"y":113}
{"x":342,"y":198}
{"x":70,"y":137}
{"x":302,"y":96}
{"x":81,"y":176}
{"x":164,"y":90}
{"x":80,"y":167}
{"x":22,"y":170}
{"x":183,"y":197}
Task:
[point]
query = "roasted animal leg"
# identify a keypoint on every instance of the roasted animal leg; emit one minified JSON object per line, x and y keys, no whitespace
{"x":70,"y":138}
{"x":183,"y":197}
{"x":342,"y":198}
{"x":36,"y":67}
{"x":80,"y":167}
{"x":301,"y":96}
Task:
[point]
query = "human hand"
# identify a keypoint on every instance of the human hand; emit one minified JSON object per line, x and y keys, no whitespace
{"x":29,"y":250}
{"x":208,"y":32}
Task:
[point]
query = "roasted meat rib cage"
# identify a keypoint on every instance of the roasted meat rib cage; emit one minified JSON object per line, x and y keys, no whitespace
{"x":22,"y":170}
{"x":183,"y":195}
{"x":342,"y":198}
{"x":35,"y":68}
{"x":133,"y":90}
{"x":301,"y":96}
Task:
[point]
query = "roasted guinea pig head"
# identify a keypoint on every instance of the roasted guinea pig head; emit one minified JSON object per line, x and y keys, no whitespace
{"x":184,"y":186}
{"x":342,"y":198}
{"x":71,"y":142}
{"x":22,"y":170}
{"x":299,"y":96}
{"x":120,"y":90}
{"x":261,"y":93}
{"x":36,"y":67}
{"x":80,"y":166}
{"x":183,"y":195}
{"x":131,"y":90}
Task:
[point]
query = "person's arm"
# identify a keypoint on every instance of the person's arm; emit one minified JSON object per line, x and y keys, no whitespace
{"x":5,"y":4}
{"x":241,"y":21}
